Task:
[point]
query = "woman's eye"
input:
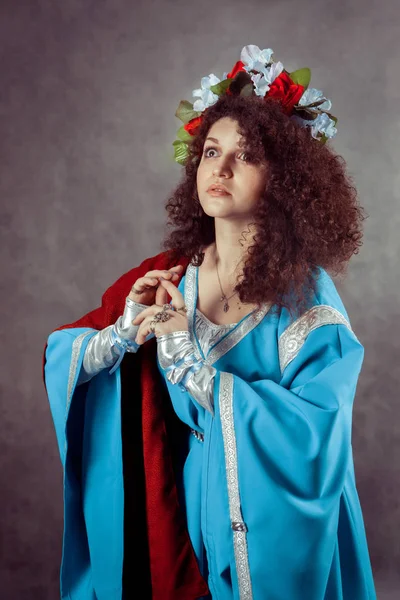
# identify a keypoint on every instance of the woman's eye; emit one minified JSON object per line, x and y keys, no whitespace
{"x":207,"y":150}
{"x":213,"y":149}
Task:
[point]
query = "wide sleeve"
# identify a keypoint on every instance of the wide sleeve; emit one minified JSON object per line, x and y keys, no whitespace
{"x":87,"y":421}
{"x":285,"y":446}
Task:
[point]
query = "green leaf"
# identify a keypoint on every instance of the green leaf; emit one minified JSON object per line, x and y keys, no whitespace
{"x":185,"y":112}
{"x":183,"y":134}
{"x":221,"y":87}
{"x":301,"y":77}
{"x":181,"y":151}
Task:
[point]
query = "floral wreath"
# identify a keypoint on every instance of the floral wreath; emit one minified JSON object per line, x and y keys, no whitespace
{"x":256,"y":73}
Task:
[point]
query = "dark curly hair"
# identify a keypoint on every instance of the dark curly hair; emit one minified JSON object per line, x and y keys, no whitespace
{"x":308,"y":217}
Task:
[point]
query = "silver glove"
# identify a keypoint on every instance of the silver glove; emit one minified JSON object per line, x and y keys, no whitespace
{"x":176,"y":355}
{"x":107,"y":348}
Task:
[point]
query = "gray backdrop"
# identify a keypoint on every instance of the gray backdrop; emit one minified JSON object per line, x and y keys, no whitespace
{"x":88,"y":95}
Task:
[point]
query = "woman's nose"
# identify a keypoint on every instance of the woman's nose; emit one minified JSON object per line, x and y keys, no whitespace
{"x":222,"y":168}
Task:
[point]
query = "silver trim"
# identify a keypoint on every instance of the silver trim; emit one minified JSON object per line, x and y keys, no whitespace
{"x":76,"y":348}
{"x":293,"y":338}
{"x":232,"y":337}
{"x":238,"y":526}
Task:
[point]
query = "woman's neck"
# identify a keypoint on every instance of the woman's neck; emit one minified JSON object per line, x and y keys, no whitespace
{"x":228,"y":269}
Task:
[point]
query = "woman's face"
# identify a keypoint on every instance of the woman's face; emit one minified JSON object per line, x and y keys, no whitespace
{"x":224,"y":162}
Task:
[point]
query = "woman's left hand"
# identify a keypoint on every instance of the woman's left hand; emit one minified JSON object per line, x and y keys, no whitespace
{"x":177,"y":322}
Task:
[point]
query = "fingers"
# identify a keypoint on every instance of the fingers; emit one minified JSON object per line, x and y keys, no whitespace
{"x":161,"y":296}
{"x":143,"y":331}
{"x":142,"y":284}
{"x":152,"y":278}
{"x":176,"y":295}
{"x":164,"y":273}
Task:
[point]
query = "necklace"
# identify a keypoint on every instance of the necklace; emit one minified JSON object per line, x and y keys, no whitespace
{"x":223,"y":297}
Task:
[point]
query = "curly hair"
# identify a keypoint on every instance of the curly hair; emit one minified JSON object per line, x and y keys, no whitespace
{"x":308,"y":217}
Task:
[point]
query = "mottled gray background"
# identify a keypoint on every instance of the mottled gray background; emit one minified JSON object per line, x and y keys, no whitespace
{"x":88,"y":95}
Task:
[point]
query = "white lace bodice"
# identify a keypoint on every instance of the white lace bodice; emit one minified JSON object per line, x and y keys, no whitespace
{"x":208,"y":332}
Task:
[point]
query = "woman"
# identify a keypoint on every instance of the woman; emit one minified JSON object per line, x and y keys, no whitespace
{"x":215,"y":461}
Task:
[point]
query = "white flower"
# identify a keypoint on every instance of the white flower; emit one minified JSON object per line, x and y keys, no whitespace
{"x":321,"y":124}
{"x":255,"y":59}
{"x":260,"y":84}
{"x":313,"y":95}
{"x":263,"y":80}
{"x":206,"y":96}
{"x":273,"y":71}
{"x":324,"y":125}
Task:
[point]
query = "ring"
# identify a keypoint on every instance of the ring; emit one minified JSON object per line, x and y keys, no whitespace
{"x":167,"y":307}
{"x":154,"y":322}
{"x":161,"y":316}
{"x":184,"y":308}
{"x":135,"y":291}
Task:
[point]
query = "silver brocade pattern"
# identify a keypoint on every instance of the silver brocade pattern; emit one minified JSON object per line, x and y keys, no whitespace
{"x":293,"y":338}
{"x":76,"y":349}
{"x":231,"y":465}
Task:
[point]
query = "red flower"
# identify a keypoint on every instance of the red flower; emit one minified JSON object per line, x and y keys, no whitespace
{"x":286,"y":91}
{"x":193,"y":125}
{"x":239,"y":66}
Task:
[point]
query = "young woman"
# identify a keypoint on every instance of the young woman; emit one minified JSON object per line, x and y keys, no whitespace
{"x":204,"y":410}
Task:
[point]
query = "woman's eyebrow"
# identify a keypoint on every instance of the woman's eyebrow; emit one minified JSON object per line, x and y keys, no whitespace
{"x":217,"y":142}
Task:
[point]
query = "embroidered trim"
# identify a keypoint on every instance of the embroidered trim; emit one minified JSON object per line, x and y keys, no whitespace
{"x":293,"y":338}
{"x":76,"y":349}
{"x":232,"y":336}
{"x":238,"y":526}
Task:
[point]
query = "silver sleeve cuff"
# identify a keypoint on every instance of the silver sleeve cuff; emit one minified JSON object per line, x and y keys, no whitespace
{"x":99,"y":354}
{"x":107,"y":348}
{"x":123,"y":326}
{"x":176,"y":356}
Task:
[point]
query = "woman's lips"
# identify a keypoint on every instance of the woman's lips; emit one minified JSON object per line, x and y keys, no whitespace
{"x":218,"y":193}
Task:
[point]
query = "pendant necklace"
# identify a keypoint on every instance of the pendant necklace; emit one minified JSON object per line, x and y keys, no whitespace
{"x":223,"y":297}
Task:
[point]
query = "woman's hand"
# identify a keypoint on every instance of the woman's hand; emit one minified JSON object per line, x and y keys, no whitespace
{"x":177,"y":321}
{"x":151,"y":291}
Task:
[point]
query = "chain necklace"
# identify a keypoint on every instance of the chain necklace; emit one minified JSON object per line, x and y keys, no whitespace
{"x":223,"y":297}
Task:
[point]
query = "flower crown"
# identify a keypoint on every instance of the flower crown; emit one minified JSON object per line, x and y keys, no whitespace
{"x":256,"y":73}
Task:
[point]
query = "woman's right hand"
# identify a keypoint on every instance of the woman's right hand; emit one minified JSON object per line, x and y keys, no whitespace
{"x":149,"y":285}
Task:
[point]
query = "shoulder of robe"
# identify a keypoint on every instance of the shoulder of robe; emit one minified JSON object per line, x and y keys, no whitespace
{"x":327,"y":309}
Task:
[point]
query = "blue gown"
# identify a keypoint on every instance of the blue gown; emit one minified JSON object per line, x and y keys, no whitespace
{"x":267,"y":486}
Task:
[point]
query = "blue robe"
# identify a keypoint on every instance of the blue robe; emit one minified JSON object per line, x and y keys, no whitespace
{"x":267,"y":482}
